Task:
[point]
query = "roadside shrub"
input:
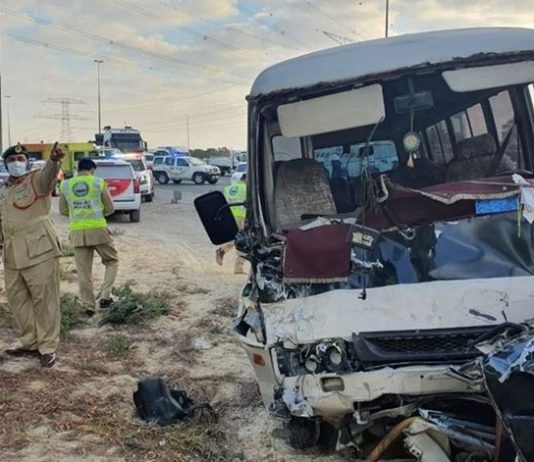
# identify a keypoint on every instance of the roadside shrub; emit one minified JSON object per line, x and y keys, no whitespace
{"x":70,"y":314}
{"x":5,"y":316}
{"x":117,"y":345}
{"x":67,"y":250}
{"x":134,"y":307}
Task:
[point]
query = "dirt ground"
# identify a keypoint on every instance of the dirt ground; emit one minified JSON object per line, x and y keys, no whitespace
{"x":82,"y":409}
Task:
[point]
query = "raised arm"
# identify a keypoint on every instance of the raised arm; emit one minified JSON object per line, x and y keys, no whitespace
{"x":46,"y":178}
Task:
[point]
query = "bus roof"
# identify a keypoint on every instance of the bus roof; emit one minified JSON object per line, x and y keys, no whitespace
{"x":375,"y":57}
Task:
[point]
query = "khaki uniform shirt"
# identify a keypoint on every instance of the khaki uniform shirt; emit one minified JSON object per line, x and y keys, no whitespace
{"x":27,"y":233}
{"x":89,"y":237}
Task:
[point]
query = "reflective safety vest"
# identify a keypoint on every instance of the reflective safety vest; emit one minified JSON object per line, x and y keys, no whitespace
{"x":237,"y":192}
{"x":84,"y":196}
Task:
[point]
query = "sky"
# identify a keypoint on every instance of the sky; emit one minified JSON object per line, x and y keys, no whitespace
{"x":172,"y":64}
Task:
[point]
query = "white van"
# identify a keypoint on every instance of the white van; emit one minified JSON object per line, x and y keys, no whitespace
{"x":123,"y":185}
{"x":184,"y":168}
{"x":389,"y":230}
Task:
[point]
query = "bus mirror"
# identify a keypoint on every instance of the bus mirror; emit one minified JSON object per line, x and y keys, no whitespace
{"x":216,"y":216}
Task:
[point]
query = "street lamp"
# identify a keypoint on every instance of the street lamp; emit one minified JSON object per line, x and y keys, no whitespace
{"x":98,"y":63}
{"x":387,"y":17}
{"x":8,"y":97}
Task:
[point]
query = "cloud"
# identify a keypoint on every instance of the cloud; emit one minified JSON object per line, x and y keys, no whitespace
{"x":166,"y":60}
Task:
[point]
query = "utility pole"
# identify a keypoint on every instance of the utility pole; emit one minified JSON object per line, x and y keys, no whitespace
{"x":8,"y":97}
{"x":187,"y":126}
{"x":65,"y":116}
{"x":98,"y":63}
{"x":1,"y":124}
{"x":387,"y":17}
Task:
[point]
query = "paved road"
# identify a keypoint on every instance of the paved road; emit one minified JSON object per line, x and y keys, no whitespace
{"x":189,"y":189}
{"x":169,"y":225}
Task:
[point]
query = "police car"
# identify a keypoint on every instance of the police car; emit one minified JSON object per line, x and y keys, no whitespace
{"x":123,"y":185}
{"x":184,"y":168}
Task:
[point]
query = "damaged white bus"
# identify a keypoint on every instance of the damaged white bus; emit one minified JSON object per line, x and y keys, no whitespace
{"x":390,"y":300}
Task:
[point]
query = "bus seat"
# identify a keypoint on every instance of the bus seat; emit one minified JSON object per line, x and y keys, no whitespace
{"x":474,"y":158}
{"x":301,"y":188}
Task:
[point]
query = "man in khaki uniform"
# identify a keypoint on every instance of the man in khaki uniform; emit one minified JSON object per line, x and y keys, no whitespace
{"x":87,"y":202}
{"x":31,"y":254}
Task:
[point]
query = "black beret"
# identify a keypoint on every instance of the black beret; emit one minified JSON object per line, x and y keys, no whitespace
{"x":15,"y":151}
{"x":86,"y":164}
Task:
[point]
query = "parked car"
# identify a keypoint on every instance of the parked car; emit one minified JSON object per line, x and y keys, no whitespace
{"x":144,"y":175}
{"x":149,"y":159}
{"x":184,"y":168}
{"x":228,"y":163}
{"x":240,"y":170}
{"x":175,"y":151}
{"x":390,"y":240}
{"x":123,"y":185}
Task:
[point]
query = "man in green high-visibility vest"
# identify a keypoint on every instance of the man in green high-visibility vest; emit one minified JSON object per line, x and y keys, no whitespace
{"x":86,"y":201}
{"x":235,"y":193}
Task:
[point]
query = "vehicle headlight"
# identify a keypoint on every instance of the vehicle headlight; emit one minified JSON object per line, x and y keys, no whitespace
{"x":311,"y":364}
{"x":143,"y":179}
{"x":334,"y":358}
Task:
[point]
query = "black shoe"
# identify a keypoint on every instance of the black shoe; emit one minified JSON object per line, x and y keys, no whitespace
{"x":90,"y":313}
{"x":105,"y":303}
{"x":48,"y":359}
{"x":21,"y":352}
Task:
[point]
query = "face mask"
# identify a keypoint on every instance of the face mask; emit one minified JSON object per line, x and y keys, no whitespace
{"x":16,"y":168}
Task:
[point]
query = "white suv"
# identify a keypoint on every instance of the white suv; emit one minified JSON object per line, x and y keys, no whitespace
{"x":143,"y":173}
{"x":123,"y":186}
{"x":183,"y":168}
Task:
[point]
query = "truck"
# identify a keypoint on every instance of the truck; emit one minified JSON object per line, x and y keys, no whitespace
{"x":227,"y":164}
{"x":126,"y":139}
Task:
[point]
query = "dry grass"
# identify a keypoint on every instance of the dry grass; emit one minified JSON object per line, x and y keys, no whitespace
{"x":84,"y":406}
{"x":101,"y":423}
{"x":191,"y":289}
{"x":225,"y":307}
{"x":6,"y":319}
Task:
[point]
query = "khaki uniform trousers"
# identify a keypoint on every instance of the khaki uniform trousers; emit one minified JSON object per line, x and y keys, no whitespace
{"x":83,"y":257}
{"x":239,"y":264}
{"x":33,"y":296}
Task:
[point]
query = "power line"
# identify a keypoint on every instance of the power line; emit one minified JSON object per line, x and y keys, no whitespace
{"x":197,"y":121}
{"x":332,"y":18}
{"x":116,"y":43}
{"x":152,"y":102}
{"x":187,"y":30}
{"x":282,"y":32}
{"x":109,"y":59}
{"x":65,"y":116}
{"x":233,"y":28}
{"x":51,"y":46}
{"x":339,"y":39}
